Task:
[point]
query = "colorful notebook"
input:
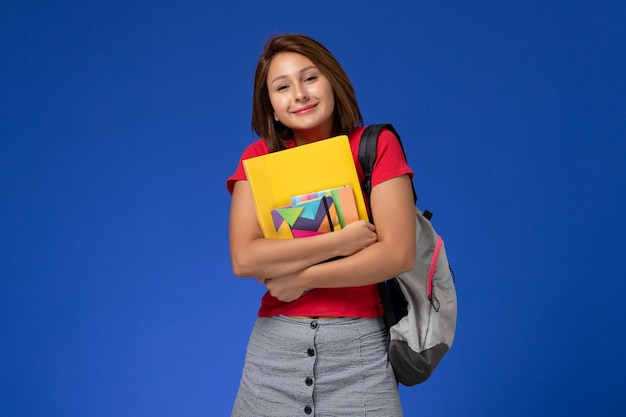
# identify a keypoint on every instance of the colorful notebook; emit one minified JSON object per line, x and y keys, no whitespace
{"x":343,"y":197}
{"x":308,"y":218}
{"x":276,"y":177}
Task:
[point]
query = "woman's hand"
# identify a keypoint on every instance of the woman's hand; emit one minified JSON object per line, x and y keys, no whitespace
{"x":286,"y":288}
{"x":357,"y":236}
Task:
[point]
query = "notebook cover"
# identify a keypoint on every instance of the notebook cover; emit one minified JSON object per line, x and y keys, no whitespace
{"x":308,"y":218}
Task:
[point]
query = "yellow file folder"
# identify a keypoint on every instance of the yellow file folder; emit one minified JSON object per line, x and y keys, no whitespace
{"x":276,"y":177}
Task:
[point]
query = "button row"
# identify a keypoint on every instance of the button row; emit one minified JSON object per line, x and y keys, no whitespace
{"x":309,"y":381}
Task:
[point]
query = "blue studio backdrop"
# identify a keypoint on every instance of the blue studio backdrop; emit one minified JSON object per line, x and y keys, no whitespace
{"x":120,"y":122}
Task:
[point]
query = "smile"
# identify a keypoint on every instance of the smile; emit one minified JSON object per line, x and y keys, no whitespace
{"x":305,"y":110}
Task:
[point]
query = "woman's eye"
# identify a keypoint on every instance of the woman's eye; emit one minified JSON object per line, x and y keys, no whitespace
{"x":281,"y":88}
{"x":310,"y":79}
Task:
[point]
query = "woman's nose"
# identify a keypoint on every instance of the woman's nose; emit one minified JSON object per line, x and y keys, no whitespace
{"x":301,"y":93}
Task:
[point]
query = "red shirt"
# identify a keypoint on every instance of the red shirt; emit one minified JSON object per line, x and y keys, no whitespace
{"x":337,"y":302}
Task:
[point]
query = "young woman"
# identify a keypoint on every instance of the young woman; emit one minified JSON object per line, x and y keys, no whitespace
{"x":319,"y":344}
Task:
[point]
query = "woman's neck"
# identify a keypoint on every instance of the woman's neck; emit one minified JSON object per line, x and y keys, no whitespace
{"x":303,"y":137}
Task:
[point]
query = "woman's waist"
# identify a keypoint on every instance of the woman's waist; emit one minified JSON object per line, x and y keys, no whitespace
{"x":315,"y":317}
{"x":324,"y":304}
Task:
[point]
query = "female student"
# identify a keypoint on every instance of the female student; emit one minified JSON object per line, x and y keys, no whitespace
{"x":318,"y":346}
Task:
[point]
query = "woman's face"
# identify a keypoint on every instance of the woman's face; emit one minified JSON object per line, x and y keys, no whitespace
{"x":301,"y":96}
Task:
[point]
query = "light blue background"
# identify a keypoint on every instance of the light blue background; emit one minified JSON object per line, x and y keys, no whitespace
{"x":120,"y":121}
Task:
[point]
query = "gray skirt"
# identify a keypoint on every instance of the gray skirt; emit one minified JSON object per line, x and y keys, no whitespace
{"x":336,"y":367}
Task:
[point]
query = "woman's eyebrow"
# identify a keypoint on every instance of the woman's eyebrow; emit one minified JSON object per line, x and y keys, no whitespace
{"x":305,"y":69}
{"x":280,"y":77}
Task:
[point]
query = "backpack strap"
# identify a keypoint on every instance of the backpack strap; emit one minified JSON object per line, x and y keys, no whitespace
{"x":367,"y":155}
{"x":389,"y":289}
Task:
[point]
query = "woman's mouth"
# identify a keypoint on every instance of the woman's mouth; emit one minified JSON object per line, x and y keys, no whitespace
{"x":304,"y":110}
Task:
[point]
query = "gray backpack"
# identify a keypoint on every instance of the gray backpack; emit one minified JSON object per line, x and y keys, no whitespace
{"x":420,"y":305}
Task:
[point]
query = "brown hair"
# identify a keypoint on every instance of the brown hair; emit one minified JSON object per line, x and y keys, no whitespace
{"x":346,"y":115}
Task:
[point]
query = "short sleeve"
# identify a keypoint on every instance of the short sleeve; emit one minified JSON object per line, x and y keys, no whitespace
{"x":257,"y":148}
{"x":390,"y":159}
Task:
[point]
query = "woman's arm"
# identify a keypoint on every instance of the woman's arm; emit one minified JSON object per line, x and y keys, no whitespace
{"x":252,"y":255}
{"x":393,"y":209}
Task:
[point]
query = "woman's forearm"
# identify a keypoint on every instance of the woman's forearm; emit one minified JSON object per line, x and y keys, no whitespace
{"x":369,"y":266}
{"x":263,"y":258}
{"x":373,"y":264}
{"x":269,"y":258}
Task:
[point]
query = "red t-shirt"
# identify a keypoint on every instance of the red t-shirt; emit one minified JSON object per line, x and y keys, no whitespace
{"x":338,"y":302}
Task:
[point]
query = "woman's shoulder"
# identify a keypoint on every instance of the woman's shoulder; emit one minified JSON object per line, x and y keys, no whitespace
{"x":259,"y":147}
{"x":256,"y":148}
{"x":385,"y":134}
{"x":385,"y":138}
{"x":355,"y":134}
